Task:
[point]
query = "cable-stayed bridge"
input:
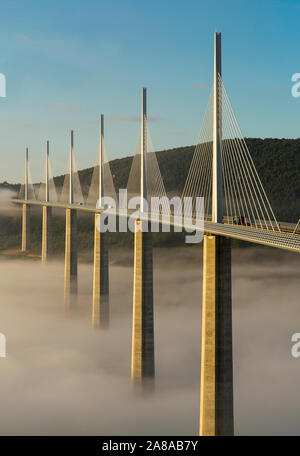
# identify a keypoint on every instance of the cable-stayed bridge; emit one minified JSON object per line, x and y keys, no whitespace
{"x":246,"y":210}
{"x":234,"y":206}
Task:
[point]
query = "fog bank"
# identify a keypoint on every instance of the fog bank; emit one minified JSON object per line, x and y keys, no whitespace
{"x":62,"y":377}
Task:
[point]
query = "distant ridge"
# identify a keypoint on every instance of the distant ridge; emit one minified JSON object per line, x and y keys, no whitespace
{"x":277,"y":162}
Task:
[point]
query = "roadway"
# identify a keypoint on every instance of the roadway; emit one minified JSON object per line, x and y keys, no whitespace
{"x":282,"y":240}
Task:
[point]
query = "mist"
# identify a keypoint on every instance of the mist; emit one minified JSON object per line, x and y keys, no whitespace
{"x":62,"y":377}
{"x":7,"y":207}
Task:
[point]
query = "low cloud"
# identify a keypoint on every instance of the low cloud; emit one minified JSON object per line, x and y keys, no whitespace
{"x":132,"y":118}
{"x":62,"y":377}
{"x":21,"y":36}
{"x":202,"y":85}
{"x":65,"y":107}
{"x":7,"y":207}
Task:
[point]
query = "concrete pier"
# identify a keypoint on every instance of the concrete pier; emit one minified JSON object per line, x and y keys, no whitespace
{"x":142,"y":364}
{"x":100,"y":313}
{"x":142,"y":358}
{"x":47,"y":217}
{"x":46,"y":234}
{"x":26,"y":227}
{"x":216,"y":392}
{"x":70,"y":288}
{"x":216,"y":395}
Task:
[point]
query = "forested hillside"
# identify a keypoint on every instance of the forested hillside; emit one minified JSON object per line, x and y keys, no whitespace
{"x":277,"y":162}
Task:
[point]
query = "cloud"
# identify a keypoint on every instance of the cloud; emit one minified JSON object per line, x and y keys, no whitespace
{"x":22,"y":37}
{"x":202,"y":85}
{"x":133,"y":118}
{"x":7,"y":207}
{"x":62,"y":107}
{"x":61,"y":377}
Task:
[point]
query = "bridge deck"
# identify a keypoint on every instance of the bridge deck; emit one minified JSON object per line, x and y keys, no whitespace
{"x":281,"y":240}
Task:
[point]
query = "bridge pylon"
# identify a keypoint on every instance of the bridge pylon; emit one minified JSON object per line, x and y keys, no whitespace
{"x":142,"y":360}
{"x":100,"y":310}
{"x":216,"y":393}
{"x":70,"y":284}
{"x":47,"y":217}
{"x":26,"y":225}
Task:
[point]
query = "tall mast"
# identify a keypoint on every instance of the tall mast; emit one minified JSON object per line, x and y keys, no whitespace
{"x":26,"y":174}
{"x":101,"y":158}
{"x":71,"y":170}
{"x":143,"y":149}
{"x":217,"y":206}
{"x":47,"y":173}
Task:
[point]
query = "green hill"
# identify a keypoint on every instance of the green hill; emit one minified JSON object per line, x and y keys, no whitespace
{"x":277,"y":162}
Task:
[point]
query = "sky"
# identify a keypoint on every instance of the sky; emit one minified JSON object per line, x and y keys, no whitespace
{"x":66,"y":62}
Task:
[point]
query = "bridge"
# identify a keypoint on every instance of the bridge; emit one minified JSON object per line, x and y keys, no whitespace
{"x":234,"y":206}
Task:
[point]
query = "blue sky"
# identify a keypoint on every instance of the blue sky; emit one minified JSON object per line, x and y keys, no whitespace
{"x":68,"y":61}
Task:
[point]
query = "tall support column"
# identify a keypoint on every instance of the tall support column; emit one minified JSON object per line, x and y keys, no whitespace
{"x":216,"y":395}
{"x":100,"y":312}
{"x":100,"y":315}
{"x":47,"y":218}
{"x":142,"y":361}
{"x":142,"y":364}
{"x":71,"y":257}
{"x":47,"y":234}
{"x":26,"y":225}
{"x":71,"y":243}
{"x":217,"y":207}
